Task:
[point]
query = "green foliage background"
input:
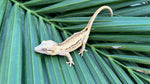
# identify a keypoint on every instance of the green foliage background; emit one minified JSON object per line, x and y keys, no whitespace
{"x":118,"y":47}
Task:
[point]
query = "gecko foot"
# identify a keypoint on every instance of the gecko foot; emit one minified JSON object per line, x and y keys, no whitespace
{"x":70,"y":63}
{"x":81,"y":52}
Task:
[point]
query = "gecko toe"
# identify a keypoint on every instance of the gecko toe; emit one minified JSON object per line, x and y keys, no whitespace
{"x":85,"y":50}
{"x":81,"y":52}
{"x":70,"y":63}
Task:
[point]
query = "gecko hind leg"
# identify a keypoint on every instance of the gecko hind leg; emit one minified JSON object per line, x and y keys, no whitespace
{"x":82,"y":50}
{"x":83,"y":46}
{"x":70,"y":59}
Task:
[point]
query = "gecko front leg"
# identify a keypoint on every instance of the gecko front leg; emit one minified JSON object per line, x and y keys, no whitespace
{"x":69,"y":59}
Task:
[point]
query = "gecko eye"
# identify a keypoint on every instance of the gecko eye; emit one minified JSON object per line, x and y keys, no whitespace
{"x":44,"y":49}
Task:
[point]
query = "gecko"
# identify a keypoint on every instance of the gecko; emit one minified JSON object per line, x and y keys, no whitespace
{"x":73,"y":42}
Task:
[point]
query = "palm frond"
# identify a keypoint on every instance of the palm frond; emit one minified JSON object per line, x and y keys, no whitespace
{"x":118,"y":47}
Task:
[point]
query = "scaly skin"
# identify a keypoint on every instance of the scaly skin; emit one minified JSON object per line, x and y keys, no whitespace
{"x":72,"y":43}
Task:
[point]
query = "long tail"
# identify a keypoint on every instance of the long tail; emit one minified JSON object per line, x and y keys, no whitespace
{"x":89,"y":25}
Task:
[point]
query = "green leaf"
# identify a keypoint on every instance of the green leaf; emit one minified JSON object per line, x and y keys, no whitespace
{"x":93,"y":5}
{"x":11,"y":62}
{"x":136,"y":59}
{"x":113,"y":24}
{"x":40,"y":2}
{"x":121,"y":38}
{"x":4,"y":28}
{"x":102,"y":19}
{"x":33,"y":65}
{"x":107,"y":70}
{"x":143,"y":76}
{"x":137,"y":80}
{"x":121,"y":73}
{"x":124,"y":46}
{"x":134,"y":11}
{"x":59,"y":6}
{"x":140,"y":68}
{"x":3,"y":5}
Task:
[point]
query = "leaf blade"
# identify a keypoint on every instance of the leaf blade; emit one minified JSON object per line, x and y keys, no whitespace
{"x":11,"y":59}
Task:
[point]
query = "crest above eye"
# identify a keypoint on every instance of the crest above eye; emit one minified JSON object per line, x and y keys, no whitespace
{"x":44,"y":49}
{"x":43,"y":41}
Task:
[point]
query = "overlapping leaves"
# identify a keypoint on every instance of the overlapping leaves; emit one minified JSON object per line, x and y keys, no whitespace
{"x":118,"y":47}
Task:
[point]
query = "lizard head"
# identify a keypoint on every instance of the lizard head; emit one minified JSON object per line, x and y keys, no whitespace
{"x":47,"y":47}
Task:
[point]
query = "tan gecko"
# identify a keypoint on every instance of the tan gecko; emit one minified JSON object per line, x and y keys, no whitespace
{"x":72,"y":43}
